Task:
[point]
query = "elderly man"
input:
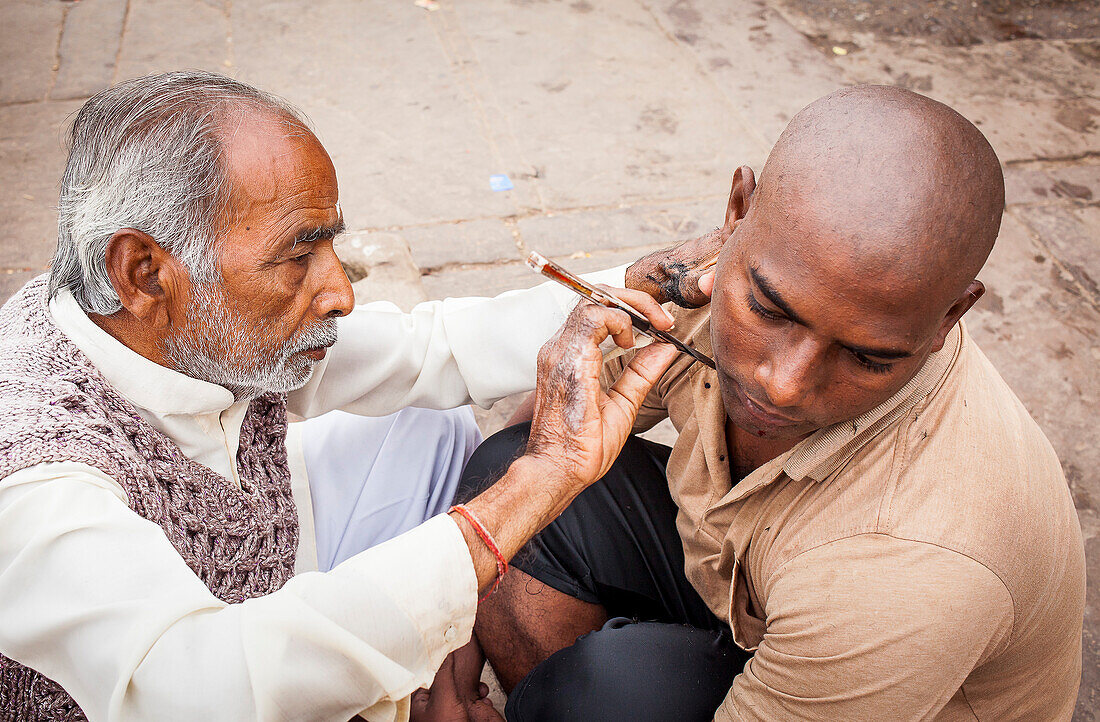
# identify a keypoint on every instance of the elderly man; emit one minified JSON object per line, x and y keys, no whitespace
{"x":151,"y":522}
{"x":859,"y":520}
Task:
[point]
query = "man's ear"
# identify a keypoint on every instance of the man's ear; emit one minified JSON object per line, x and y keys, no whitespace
{"x":744,"y":183}
{"x":974,"y":291}
{"x":147,"y":279}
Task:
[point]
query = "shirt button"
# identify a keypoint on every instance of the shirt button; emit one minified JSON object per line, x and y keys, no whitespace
{"x":450,"y":633}
{"x":706,"y":385}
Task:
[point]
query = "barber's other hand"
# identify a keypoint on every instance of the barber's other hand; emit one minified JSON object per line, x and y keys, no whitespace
{"x":456,"y":694}
{"x":680,"y":273}
{"x":577,"y":429}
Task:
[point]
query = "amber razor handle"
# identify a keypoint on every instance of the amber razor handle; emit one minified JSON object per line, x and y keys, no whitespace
{"x":553,"y":271}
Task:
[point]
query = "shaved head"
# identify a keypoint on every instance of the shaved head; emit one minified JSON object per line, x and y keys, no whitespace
{"x":899,"y":182}
{"x":856,"y":256}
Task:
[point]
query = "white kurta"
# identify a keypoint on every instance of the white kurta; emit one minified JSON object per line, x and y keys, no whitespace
{"x":96,"y":598}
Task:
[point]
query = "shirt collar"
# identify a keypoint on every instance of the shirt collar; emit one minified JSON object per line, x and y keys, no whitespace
{"x":142,"y":382}
{"x":824,"y":451}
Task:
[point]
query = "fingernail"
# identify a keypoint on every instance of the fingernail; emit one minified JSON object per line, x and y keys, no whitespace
{"x":669,"y":316}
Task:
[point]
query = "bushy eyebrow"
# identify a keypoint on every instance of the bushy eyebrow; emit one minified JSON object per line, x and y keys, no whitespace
{"x":319,"y":233}
{"x":769,"y":292}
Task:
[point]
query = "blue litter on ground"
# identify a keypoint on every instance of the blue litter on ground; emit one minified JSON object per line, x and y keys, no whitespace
{"x":500,"y":182}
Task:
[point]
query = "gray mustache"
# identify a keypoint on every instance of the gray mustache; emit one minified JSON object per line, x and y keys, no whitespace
{"x":322,"y":333}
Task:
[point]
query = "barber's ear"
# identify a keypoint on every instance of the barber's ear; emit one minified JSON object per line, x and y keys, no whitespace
{"x":744,"y":183}
{"x":147,"y":279}
{"x":974,"y":291}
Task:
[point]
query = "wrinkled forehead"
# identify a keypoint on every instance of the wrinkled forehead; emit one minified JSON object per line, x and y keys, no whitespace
{"x":274,"y":160}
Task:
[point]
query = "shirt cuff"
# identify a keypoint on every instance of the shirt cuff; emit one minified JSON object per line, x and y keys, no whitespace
{"x":431,"y":573}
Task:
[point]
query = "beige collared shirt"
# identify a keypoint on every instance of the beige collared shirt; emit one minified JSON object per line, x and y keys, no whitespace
{"x":921,"y":562}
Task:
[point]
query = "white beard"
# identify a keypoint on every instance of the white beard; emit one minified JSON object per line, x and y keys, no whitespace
{"x":230,"y":352}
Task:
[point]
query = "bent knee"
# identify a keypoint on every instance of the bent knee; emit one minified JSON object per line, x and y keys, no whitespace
{"x":637,"y":671}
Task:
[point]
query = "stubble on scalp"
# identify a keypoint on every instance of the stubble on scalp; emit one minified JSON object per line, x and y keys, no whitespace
{"x":906,"y":185}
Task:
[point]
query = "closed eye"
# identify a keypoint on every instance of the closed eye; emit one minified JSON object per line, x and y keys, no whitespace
{"x":873,"y":366}
{"x":762,"y":312}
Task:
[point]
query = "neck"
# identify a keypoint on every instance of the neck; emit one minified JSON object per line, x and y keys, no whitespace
{"x":748,"y":452}
{"x":133,"y":334}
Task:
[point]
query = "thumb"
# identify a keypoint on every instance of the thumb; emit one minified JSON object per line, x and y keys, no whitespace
{"x":444,"y":686}
{"x":637,"y":379}
{"x":706,"y":283}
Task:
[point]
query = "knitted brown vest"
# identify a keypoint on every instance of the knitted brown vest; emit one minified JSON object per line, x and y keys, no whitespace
{"x":55,"y":406}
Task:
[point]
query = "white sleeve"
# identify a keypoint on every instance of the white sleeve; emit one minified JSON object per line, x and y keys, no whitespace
{"x":441,"y":355}
{"x":95,"y":597}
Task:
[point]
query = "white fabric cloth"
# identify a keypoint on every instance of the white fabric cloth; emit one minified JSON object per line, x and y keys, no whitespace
{"x":374,"y":478}
{"x":95,"y":597}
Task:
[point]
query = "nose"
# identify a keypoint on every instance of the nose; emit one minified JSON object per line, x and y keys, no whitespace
{"x":335,"y":297}
{"x":789,"y":374}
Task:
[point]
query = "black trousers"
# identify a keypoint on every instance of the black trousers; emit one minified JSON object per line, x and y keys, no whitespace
{"x":663,"y":656}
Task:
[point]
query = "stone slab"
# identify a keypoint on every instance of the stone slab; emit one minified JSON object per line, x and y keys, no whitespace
{"x":478,"y":280}
{"x":606,"y":109}
{"x":946,"y":23}
{"x":89,"y":46}
{"x":163,"y":35}
{"x":600,"y":260}
{"x":1024,"y":69}
{"x":380,"y":268}
{"x":1030,"y":99}
{"x":390,"y":105}
{"x":495,"y":418}
{"x":480,"y":241}
{"x":1019,"y":130}
{"x":763,"y":67}
{"x":592,"y":231}
{"x":32,"y":158}
{"x":28,"y":47}
{"x":1079,"y":183}
{"x":501,"y":277}
{"x":1073,"y":236}
{"x":1088,"y":700}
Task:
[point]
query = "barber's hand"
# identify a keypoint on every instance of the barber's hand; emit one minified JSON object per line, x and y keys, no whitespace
{"x":577,"y":428}
{"x":682,"y":274}
{"x":456,"y":694}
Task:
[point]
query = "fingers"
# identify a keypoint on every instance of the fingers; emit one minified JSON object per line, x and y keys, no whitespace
{"x":569,"y":367}
{"x":644,"y":304}
{"x":584,"y":330}
{"x":706,"y":283}
{"x":644,"y":370}
{"x":444,"y":683}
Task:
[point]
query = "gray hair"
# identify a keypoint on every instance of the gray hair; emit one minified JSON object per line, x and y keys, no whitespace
{"x":148,"y":154}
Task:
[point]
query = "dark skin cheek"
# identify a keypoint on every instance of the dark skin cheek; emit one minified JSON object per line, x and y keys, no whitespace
{"x":742,"y":344}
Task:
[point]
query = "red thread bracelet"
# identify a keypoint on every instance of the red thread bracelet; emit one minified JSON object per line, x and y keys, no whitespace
{"x":502,"y":563}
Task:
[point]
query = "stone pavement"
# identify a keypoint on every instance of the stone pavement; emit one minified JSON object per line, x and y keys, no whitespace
{"x":619,"y":124}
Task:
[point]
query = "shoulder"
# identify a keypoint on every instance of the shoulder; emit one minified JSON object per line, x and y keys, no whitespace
{"x":975,"y":474}
{"x":888,"y":584}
